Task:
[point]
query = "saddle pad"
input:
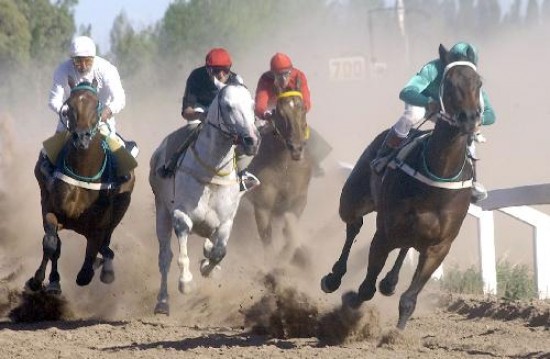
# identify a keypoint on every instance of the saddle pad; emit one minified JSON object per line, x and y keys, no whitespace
{"x":54,"y":145}
{"x":125,"y":161}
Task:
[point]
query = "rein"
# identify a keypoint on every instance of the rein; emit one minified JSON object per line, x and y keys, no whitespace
{"x":211,"y":168}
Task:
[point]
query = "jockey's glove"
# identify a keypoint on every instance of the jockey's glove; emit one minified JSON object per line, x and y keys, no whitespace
{"x":106,"y":113}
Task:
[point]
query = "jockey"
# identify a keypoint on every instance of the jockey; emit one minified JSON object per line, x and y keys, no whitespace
{"x":421,"y":97}
{"x":201,"y":88}
{"x":283,"y":76}
{"x":85,"y":65}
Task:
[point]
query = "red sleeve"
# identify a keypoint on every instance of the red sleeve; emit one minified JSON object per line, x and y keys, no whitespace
{"x":304,"y":89}
{"x":264,"y":91}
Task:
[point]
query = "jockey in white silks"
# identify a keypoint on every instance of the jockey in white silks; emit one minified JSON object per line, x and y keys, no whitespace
{"x":85,"y":65}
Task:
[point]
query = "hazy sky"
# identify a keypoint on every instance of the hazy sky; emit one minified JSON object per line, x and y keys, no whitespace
{"x":101,"y":13}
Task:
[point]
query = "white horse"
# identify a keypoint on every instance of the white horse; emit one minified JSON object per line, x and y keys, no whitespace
{"x":203,"y":196}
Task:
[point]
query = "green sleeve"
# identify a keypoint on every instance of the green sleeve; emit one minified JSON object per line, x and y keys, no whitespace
{"x":417,"y":91}
{"x":488,"y":116}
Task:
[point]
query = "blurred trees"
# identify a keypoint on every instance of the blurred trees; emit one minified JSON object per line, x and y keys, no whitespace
{"x":34,"y":34}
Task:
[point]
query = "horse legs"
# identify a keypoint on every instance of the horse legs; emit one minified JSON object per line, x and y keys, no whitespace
{"x":428,"y":261}
{"x":182,"y":226}
{"x":264,"y":219}
{"x":378,"y":254}
{"x":216,"y":252}
{"x":51,"y":250}
{"x":332,"y":281}
{"x":164,"y":234}
{"x":93,"y":243}
{"x":387,"y":285}
{"x":120,"y":205}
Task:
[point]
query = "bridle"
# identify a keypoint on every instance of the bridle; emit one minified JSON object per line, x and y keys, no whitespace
{"x":286,"y":94}
{"x":92,"y":131}
{"x":223,"y":126}
{"x":453,"y":120}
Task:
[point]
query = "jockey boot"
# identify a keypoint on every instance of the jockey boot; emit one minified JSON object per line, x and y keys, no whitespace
{"x":169,"y":168}
{"x":247,"y":181}
{"x":386,"y":152}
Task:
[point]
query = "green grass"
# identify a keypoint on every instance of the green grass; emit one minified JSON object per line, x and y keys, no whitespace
{"x":514,"y":282}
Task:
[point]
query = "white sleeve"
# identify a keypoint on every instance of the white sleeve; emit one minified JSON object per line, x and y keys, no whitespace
{"x":57,"y":92}
{"x":117,"y":98}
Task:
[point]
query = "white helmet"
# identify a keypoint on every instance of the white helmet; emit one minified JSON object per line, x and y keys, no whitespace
{"x":82,"y":46}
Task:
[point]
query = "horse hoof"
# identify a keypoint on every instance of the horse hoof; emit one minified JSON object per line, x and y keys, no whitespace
{"x":53,"y":288}
{"x":330,"y":283}
{"x":351,"y":300}
{"x":32,"y":286}
{"x":387,"y":287}
{"x":208,"y":270}
{"x":107,"y":277}
{"x":186,"y":287}
{"x":84,"y":277}
{"x":162,"y":308}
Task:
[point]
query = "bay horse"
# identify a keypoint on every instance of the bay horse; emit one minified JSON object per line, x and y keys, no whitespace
{"x":284,"y":169}
{"x":203,"y":195}
{"x":421,"y":199}
{"x":83,"y":194}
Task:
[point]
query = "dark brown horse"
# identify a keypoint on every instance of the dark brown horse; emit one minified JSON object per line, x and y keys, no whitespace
{"x":284,"y":169}
{"x":83,"y":193}
{"x":422,"y":198}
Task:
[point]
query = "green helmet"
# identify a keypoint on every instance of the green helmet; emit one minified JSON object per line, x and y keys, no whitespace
{"x":463,"y":51}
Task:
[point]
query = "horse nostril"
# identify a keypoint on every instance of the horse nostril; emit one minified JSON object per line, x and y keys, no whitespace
{"x":248,"y":141}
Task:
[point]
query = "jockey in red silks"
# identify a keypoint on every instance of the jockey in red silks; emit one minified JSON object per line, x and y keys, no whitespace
{"x":281,"y":77}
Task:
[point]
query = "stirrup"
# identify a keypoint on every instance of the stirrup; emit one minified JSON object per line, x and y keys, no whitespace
{"x":247,"y":181}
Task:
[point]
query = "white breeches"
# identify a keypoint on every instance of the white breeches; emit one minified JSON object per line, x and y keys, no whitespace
{"x":410,"y":117}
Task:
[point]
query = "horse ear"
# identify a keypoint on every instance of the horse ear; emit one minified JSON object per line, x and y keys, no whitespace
{"x":71,"y":82}
{"x":443,"y":54}
{"x":94,"y":83}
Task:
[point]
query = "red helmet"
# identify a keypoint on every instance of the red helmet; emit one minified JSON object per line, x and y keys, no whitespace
{"x":280,"y":62}
{"x":218,"y":57}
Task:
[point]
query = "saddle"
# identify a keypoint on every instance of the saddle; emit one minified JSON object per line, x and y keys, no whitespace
{"x":177,"y":144}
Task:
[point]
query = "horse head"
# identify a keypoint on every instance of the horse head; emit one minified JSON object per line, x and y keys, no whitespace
{"x":83,"y":113}
{"x":290,"y":122}
{"x":460,"y":92}
{"x":236,"y":117}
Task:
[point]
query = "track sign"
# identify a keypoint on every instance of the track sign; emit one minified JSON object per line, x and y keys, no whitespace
{"x":347,"y":68}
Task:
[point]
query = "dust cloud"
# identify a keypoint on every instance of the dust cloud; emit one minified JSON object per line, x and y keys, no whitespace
{"x":348,"y":114}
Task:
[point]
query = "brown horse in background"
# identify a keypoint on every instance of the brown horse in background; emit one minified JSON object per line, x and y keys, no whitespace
{"x":83,"y":193}
{"x":284,"y":169}
{"x":421,"y":200}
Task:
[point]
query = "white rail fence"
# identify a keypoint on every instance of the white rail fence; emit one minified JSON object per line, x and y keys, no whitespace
{"x":514,"y":202}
